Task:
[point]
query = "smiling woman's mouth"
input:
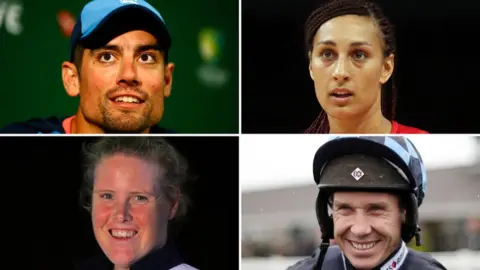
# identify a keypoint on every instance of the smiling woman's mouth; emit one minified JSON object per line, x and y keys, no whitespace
{"x":122,"y":234}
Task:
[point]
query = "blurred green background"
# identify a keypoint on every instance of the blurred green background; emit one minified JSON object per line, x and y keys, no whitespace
{"x":205,"y":50}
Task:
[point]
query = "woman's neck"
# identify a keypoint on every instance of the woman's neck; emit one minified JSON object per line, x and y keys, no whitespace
{"x":369,"y":123}
{"x":160,"y":244}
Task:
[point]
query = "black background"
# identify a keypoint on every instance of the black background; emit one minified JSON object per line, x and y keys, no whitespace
{"x":437,"y":68}
{"x":46,"y":227}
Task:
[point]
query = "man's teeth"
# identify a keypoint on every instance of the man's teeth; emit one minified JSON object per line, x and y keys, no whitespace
{"x":123,"y":233}
{"x":127,"y":99}
{"x":363,"y":246}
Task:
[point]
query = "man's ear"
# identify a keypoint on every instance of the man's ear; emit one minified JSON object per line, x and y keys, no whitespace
{"x":168,"y":79}
{"x":71,"y":79}
{"x":403,"y":215}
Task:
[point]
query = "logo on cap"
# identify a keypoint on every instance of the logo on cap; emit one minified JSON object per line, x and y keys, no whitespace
{"x":357,"y":174}
{"x":128,"y":1}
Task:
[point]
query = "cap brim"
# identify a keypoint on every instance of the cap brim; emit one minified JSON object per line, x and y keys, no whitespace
{"x":356,"y":145}
{"x":125,"y":19}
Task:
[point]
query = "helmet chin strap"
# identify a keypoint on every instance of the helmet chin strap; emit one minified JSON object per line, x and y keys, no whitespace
{"x":323,"y":251}
{"x":418,"y":240}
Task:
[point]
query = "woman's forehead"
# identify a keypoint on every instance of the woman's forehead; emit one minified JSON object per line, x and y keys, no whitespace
{"x":125,"y":171}
{"x":349,"y":29}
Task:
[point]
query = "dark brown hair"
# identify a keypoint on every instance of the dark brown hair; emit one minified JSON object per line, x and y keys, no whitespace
{"x":78,"y":58}
{"x":336,"y":8}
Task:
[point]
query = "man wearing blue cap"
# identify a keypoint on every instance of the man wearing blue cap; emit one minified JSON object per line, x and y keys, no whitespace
{"x":118,"y":67}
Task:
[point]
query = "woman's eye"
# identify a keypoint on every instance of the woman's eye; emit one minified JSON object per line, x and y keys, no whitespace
{"x":359,"y":55}
{"x":106,"y":196}
{"x":327,"y":54}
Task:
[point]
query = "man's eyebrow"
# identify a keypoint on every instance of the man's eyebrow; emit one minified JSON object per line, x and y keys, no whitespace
{"x":106,"y":48}
{"x":148,"y":47}
{"x":378,"y":205}
{"x":138,"y":48}
{"x":337,"y":203}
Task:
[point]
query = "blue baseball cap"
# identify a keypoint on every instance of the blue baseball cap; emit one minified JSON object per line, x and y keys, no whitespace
{"x":102,"y":20}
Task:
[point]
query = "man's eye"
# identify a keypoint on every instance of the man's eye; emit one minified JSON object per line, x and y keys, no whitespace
{"x":147,"y":58}
{"x":106,"y":57}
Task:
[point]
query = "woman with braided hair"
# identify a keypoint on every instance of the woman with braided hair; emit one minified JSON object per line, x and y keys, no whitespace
{"x":351,"y":50}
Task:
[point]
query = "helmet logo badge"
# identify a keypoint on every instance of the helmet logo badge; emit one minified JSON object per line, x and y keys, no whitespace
{"x":357,"y":174}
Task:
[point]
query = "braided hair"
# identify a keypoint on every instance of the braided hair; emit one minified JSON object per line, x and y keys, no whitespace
{"x":367,"y":8}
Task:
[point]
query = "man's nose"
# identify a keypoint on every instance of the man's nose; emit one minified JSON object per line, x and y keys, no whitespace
{"x":361,"y":226}
{"x":128,"y":73}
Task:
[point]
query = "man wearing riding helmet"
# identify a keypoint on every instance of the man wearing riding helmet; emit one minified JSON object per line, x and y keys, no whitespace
{"x":370,"y":189}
